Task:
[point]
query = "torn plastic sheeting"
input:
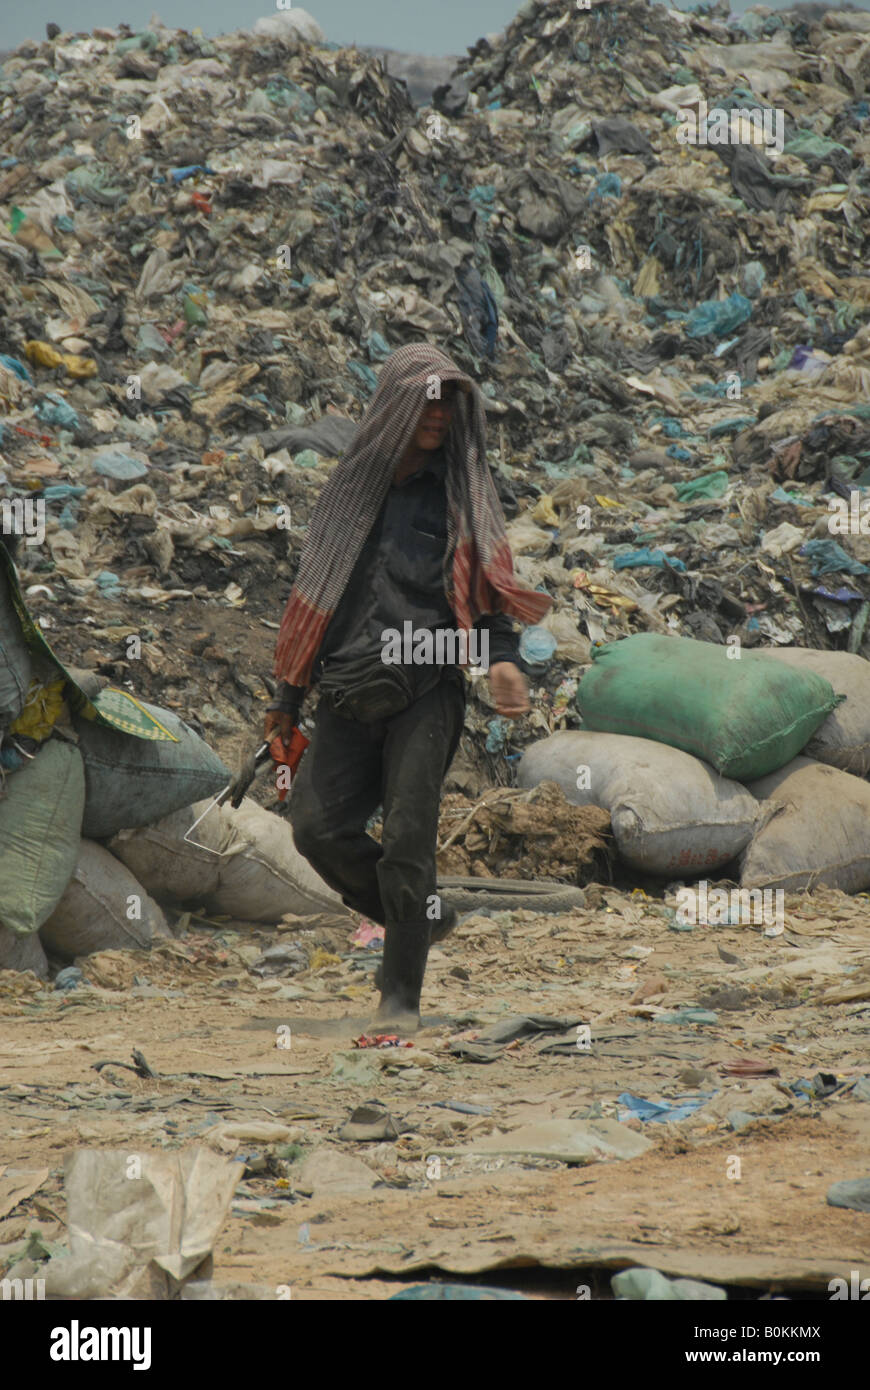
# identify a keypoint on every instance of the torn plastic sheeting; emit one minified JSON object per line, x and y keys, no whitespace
{"x":142,"y":1233}
{"x":661,"y":1112}
{"x":113,"y":464}
{"x":570,"y":1141}
{"x":827,"y":557}
{"x":364,"y":373}
{"x":187,"y":171}
{"x":537,"y":645}
{"x":707,"y":487}
{"x":54,"y":410}
{"x":606,"y":186}
{"x":718,"y":316}
{"x":12,"y":364}
{"x":781,"y":494}
{"x":724,"y":427}
{"x":639,"y":559}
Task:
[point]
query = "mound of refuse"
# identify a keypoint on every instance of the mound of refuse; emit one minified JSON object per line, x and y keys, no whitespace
{"x":643,"y":231}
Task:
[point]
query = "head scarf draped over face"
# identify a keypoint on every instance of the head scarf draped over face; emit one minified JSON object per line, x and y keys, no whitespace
{"x":479,"y":575}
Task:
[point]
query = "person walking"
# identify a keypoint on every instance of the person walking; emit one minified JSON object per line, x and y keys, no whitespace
{"x":407,"y":537}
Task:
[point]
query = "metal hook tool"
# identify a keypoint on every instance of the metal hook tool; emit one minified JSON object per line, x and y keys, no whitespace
{"x":260,"y":758}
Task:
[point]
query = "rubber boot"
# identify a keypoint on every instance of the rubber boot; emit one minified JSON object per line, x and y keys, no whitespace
{"x":406,"y":948}
{"x":445,"y":925}
{"x":439,"y":930}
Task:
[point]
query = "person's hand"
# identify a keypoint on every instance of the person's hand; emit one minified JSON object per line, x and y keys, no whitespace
{"x":277,"y":723}
{"x":246,"y":771}
{"x":509,"y":689}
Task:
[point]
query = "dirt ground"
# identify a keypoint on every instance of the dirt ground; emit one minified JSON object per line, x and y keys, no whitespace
{"x":745,"y":1209}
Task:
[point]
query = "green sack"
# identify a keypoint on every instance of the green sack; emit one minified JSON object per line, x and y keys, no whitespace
{"x":745,"y":715}
{"x":40,"y":827}
{"x":134,"y":781}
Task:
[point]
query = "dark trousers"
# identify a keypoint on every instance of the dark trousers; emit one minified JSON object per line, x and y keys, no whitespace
{"x":348,"y":771}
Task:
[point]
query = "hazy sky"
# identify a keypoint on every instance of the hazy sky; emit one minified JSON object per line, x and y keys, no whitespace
{"x":415,"y":26}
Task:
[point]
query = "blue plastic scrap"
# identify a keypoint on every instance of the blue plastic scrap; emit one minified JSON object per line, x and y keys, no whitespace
{"x":109,"y":584}
{"x":69,"y":978}
{"x":732,"y":426}
{"x":12,"y":364}
{"x":718,"y":316}
{"x":671,"y":427}
{"x":708,"y":389}
{"x":605,"y":186}
{"x":377,"y":347}
{"x":60,"y":492}
{"x":114,"y":464}
{"x":54,"y":410}
{"x":498,"y":730}
{"x":537,"y":645}
{"x":660,"y":1112}
{"x":721,"y":350}
{"x":827,"y":557}
{"x":779,"y":494}
{"x":638,"y":559}
{"x":187,"y":171}
{"x":364,"y":374}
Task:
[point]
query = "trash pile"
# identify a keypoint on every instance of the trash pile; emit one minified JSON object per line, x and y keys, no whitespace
{"x":528,"y":834}
{"x":208,"y":246}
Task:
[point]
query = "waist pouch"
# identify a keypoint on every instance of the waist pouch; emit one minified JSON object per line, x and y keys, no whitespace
{"x":367,"y":690}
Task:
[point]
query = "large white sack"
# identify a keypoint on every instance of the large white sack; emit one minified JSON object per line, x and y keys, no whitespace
{"x":258,"y":876}
{"x":291,"y":24}
{"x":104,"y":908}
{"x":817,"y":830}
{"x":843,"y":740}
{"x":268,"y":875}
{"x":173,"y":870}
{"x":670,"y":812}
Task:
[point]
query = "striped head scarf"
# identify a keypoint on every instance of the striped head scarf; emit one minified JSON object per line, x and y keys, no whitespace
{"x":479,"y":573}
